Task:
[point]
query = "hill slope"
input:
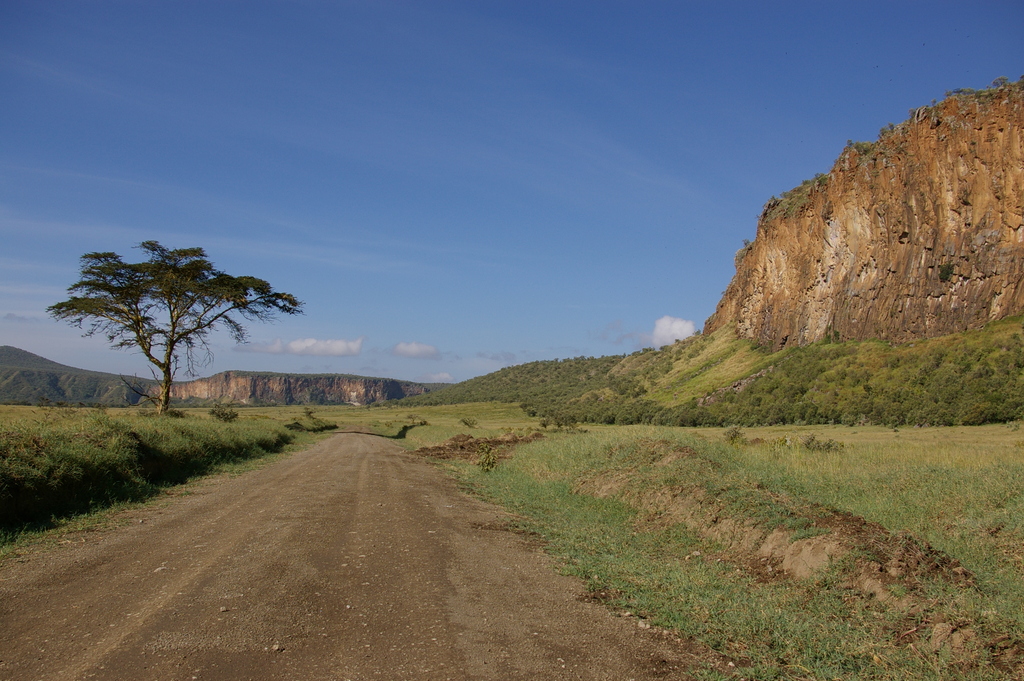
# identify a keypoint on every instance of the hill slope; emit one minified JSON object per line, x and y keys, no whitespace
{"x":28,"y":378}
{"x":16,"y":358}
{"x":718,"y":379}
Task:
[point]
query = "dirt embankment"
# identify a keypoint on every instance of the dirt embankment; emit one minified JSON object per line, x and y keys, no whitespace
{"x":757,"y":534}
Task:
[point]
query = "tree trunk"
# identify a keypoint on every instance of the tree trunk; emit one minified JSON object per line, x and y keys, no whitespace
{"x":164,"y":400}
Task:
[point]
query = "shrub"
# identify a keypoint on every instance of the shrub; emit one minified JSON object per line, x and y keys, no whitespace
{"x":862,"y":148}
{"x":734,"y":436}
{"x":224,"y":412}
{"x":488,"y":458}
{"x":812,"y":443}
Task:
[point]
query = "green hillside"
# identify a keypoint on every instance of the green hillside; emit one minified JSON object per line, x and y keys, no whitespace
{"x":16,"y":358}
{"x":26,"y":378}
{"x":536,"y":382}
{"x":718,"y":380}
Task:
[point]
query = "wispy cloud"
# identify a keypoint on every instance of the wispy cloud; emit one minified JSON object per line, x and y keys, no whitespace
{"x":615,"y":334}
{"x":21,"y":319}
{"x":506,"y":358}
{"x":667,"y":330}
{"x":442,"y":377}
{"x":59,"y":74}
{"x":416,"y":351}
{"x":308,"y":346}
{"x":366,"y":254}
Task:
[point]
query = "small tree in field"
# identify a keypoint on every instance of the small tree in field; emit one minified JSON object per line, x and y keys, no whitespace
{"x":167,"y":306}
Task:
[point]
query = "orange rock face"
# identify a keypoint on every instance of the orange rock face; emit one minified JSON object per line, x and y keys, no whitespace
{"x":917,"y":235}
{"x":253,"y":388}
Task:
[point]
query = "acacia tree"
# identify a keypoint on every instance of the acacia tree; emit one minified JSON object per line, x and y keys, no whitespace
{"x":167,"y":306}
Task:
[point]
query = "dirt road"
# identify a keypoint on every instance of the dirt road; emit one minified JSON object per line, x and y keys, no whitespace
{"x":351,"y":560}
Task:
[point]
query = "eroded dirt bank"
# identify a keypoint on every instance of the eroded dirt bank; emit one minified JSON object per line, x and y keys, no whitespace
{"x":351,"y":560}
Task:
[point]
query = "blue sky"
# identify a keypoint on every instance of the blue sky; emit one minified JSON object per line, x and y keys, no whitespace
{"x":450,"y":187}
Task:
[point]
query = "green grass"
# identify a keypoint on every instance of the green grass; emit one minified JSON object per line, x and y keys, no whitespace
{"x":601,"y":500}
{"x":69,"y":461}
{"x":948,"y":496}
{"x":16,"y":540}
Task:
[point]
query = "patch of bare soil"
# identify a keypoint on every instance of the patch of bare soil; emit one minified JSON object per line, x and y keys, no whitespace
{"x":469,"y":448}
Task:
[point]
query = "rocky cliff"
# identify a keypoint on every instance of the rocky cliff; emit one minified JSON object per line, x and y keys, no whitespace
{"x":916,"y":235}
{"x":269,"y":388}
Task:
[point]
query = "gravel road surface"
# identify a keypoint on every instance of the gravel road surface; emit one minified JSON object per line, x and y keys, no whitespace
{"x":350,"y":560}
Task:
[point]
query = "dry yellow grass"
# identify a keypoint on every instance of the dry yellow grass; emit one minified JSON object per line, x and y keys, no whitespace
{"x":969,"y":446}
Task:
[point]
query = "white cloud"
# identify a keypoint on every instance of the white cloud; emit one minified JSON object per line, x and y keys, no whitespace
{"x":309,"y":346}
{"x":442,"y":377}
{"x":668,"y":330}
{"x":416,"y":350}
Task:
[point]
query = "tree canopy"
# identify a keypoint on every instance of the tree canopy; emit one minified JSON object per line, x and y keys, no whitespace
{"x":167,"y":306}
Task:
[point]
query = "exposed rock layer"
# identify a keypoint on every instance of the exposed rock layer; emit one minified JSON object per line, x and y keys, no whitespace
{"x":917,"y":235}
{"x":268,"y":388}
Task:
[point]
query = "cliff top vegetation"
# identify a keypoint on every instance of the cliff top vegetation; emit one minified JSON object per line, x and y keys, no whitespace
{"x":791,"y":201}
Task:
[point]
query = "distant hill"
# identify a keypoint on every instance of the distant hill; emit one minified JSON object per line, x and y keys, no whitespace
{"x":718,"y":379}
{"x":16,"y":358}
{"x":27,"y":378}
{"x":253,"y":387}
{"x":555,"y":381}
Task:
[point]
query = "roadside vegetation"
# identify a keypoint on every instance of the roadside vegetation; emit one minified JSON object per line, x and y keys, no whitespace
{"x":883,"y":555}
{"x":56,"y":462}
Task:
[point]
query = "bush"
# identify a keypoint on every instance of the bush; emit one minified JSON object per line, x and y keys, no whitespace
{"x":734,"y":436}
{"x":812,"y":443}
{"x":488,"y":458}
{"x":224,"y":412}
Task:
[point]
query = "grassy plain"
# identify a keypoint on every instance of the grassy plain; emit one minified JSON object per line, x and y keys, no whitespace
{"x":606,"y":500}
{"x":938,"y":512}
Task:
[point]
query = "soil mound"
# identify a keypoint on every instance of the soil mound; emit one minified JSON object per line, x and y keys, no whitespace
{"x":468,"y":448}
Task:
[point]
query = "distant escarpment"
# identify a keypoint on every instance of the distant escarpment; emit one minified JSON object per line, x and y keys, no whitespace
{"x":269,"y":388}
{"x":916,"y":235}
